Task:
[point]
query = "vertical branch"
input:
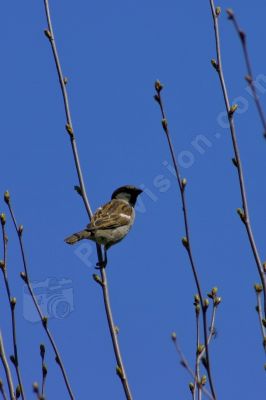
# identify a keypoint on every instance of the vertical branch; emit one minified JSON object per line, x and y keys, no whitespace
{"x":120,"y":369}
{"x":7,"y":369}
{"x":197,"y":367}
{"x":249,"y":77}
{"x":243,"y":213}
{"x":186,"y":240}
{"x":26,"y":279}
{"x":69,"y":126}
{"x":12,"y":304}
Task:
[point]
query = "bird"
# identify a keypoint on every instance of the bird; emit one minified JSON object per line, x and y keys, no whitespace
{"x":111,"y":222}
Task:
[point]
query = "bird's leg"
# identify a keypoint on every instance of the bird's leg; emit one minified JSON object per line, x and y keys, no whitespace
{"x":103,"y":263}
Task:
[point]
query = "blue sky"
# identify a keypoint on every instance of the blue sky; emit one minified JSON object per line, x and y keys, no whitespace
{"x":112,"y":52}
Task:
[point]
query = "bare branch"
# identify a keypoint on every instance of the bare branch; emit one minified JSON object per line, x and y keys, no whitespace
{"x":82,"y":191}
{"x":12,"y":304}
{"x":186,"y":240}
{"x":36,"y":390}
{"x":26,"y":279}
{"x":262,"y":321}
{"x":249,"y":77}
{"x":185,"y":364}
{"x":243,"y":213}
{"x":2,"y":390}
{"x":44,"y":368}
{"x":7,"y":369}
{"x":198,"y":353}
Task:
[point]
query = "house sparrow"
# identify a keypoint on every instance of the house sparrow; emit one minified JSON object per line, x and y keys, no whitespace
{"x":111,"y":222}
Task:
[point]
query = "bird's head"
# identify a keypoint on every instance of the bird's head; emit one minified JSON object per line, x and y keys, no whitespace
{"x":128,"y":193}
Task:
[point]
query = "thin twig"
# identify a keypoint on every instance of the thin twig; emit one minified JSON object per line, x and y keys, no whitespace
{"x":197,"y":366}
{"x":262,"y":321}
{"x":185,"y":364}
{"x":212,"y":330}
{"x":12,"y":304}
{"x":2,"y":390}
{"x":36,"y":390}
{"x":249,"y":77}
{"x":82,"y":191}
{"x":186,"y":240}
{"x":244,"y":214}
{"x":44,"y":368}
{"x":25,"y":277}
{"x":7,"y":369}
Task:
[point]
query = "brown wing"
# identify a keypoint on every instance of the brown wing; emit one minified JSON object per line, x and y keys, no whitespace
{"x":112,"y":215}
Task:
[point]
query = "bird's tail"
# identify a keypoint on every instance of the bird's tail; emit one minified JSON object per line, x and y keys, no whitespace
{"x":76,"y":237}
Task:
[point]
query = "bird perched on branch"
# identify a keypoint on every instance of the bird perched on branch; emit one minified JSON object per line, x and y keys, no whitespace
{"x":111,"y":222}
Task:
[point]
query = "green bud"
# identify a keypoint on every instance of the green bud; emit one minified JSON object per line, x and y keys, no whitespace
{"x":214,"y":291}
{"x":18,"y":392}
{"x":97,"y":279}
{"x":200,"y":348}
{"x":196,"y":299}
{"x":258,"y":287}
{"x":20,"y":230}
{"x":13,"y":359}
{"x":185,"y":242}
{"x":191,"y":387}
{"x":233,"y":109}
{"x":7,"y":197}
{"x":119,"y":372}
{"x":69,"y":129}
{"x":183,"y":183}
{"x":164,"y":124}
{"x":173,"y":336}
{"x":35,"y":387}
{"x":206,"y":303}
{"x":23,"y":276}
{"x":13,"y":302}
{"x":42,"y":350}
{"x":3,"y":218}
{"x":158,"y":86}
{"x":44,"y":370}
{"x":217,"y":301}
{"x":218,"y":11}
{"x":215,"y":64}
{"x":241,"y":214}
{"x":48,"y":34}
{"x":234,"y":161}
{"x":248,"y":79}
{"x":197,"y":309}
